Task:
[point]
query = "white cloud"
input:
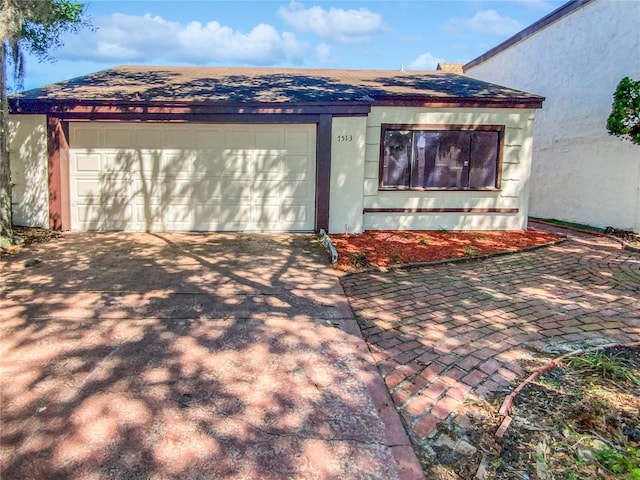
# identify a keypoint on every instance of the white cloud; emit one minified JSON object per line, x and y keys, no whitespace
{"x":426,"y":61}
{"x":541,"y":5}
{"x":487,"y":22}
{"x":127,"y":38}
{"x":335,"y":24}
{"x":324,"y":54}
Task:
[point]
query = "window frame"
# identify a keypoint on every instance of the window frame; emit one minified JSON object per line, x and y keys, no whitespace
{"x":500,"y":129}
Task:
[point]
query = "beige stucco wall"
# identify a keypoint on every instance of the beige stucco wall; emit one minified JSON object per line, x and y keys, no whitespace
{"x":514,"y":189}
{"x":355,"y":151}
{"x":580,"y":173}
{"x":347,"y":174}
{"x":28,"y":154}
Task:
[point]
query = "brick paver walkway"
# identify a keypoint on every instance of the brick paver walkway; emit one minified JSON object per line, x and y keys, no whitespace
{"x":443,"y":334}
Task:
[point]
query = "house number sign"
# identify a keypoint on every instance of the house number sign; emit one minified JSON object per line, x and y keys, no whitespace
{"x":345,"y":138}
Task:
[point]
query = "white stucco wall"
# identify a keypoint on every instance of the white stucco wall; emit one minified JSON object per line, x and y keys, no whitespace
{"x":514,"y":189}
{"x":28,"y":155}
{"x":347,"y":174}
{"x":579,"y":172}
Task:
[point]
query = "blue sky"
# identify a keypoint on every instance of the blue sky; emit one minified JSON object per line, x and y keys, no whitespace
{"x":310,"y":34}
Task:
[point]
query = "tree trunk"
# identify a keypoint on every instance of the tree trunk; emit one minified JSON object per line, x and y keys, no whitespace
{"x":6,"y":230}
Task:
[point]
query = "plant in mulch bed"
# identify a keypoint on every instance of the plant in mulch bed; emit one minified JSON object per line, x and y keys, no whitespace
{"x":395,"y":258}
{"x":470,"y":251}
{"x":359,"y":260}
{"x":580,"y":420}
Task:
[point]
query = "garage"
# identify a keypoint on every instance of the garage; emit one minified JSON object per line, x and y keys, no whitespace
{"x":192,"y":177}
{"x":180,"y":149}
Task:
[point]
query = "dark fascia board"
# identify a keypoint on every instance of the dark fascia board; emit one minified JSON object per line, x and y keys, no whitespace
{"x":84,"y":107}
{"x":95,"y":109}
{"x":554,"y":16}
{"x":461,"y":102}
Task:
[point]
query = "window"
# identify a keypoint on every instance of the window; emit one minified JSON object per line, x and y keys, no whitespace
{"x":458,"y":158}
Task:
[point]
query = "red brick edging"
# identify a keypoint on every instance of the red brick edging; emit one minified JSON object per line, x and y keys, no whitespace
{"x":470,"y":258}
{"x":505,"y":408}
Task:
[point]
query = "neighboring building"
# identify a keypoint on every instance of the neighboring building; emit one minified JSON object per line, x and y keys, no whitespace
{"x":575,"y":57}
{"x":239,"y":149}
{"x":451,"y":67}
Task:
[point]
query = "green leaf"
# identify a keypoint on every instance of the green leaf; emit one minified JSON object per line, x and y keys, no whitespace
{"x":624,"y":120}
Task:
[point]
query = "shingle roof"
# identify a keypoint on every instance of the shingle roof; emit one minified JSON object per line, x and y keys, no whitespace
{"x":222,"y":85}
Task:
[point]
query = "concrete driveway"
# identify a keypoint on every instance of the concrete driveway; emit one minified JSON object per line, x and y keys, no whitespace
{"x":162,"y":356}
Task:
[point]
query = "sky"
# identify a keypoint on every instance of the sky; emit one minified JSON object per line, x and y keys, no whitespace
{"x":386,"y":35}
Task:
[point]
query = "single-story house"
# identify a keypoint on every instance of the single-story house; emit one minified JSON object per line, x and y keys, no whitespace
{"x":576,"y":56}
{"x":147,"y":148}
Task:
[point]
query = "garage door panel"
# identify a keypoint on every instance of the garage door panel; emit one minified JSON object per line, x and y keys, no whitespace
{"x":269,"y":164}
{"x":280,"y":190}
{"x":298,"y":140}
{"x":114,"y":216}
{"x":193,"y":177}
{"x":178,"y":163}
{"x":87,"y":137}
{"x":297,"y":164}
{"x":265,"y":214}
{"x":281,"y":167}
{"x":147,"y":161}
{"x":295,"y":214}
{"x":232,"y":217}
{"x":232,"y":164}
{"x":89,"y":163}
{"x":163,"y":214}
{"x":239,"y":139}
{"x":125,"y":162}
{"x":269,"y":140}
{"x":177,"y":138}
{"x":209,"y":138}
{"x":299,"y":190}
{"x":149,"y":138}
{"x":118,"y":138}
{"x":100,"y":190}
{"x":165,"y":190}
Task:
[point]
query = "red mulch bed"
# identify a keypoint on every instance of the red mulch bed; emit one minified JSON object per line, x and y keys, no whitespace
{"x":381,"y":248}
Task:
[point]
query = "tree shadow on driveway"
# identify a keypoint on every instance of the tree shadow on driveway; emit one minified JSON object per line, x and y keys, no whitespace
{"x":182,"y":356}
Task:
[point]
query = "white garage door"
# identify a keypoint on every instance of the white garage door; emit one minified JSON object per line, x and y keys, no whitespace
{"x":192,"y":177}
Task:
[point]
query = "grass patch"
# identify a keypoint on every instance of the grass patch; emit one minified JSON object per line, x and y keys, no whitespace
{"x":602,"y":364}
{"x":562,"y":223}
{"x":626,"y":462}
{"x":579,"y":421}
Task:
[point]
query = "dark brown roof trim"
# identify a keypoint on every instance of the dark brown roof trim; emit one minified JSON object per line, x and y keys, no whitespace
{"x":69,"y":108}
{"x":468,"y":102}
{"x":554,"y":16}
{"x":440,"y":210}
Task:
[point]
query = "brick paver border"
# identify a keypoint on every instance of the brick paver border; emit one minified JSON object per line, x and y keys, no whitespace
{"x":444,"y":334}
